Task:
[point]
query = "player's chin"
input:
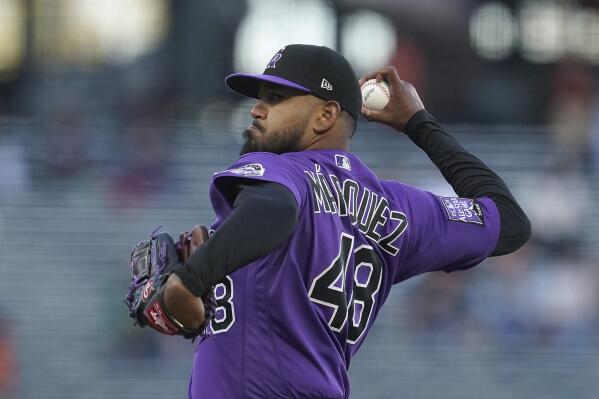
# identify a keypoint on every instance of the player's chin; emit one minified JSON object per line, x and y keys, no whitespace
{"x":248,"y":146}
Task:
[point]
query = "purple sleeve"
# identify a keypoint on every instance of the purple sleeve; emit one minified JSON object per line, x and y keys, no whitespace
{"x":263,"y":166}
{"x":446,"y":233}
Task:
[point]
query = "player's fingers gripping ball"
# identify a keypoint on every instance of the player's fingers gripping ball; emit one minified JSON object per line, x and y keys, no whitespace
{"x":152,"y":262}
{"x":375,"y":95}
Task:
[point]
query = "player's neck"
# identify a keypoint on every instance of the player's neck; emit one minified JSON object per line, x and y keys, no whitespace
{"x":327,"y":143}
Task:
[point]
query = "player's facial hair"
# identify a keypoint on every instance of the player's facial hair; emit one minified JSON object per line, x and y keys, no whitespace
{"x":279,"y":141}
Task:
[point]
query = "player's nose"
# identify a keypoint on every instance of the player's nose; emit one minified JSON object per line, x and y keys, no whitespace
{"x":259,"y":110}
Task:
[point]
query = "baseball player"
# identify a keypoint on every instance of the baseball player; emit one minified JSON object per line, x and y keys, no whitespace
{"x":308,"y":242}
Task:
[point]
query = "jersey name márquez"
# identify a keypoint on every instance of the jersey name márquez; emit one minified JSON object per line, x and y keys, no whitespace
{"x":365,"y":208}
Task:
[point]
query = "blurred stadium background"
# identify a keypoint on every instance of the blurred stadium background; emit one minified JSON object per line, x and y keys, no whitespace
{"x":114,"y":115}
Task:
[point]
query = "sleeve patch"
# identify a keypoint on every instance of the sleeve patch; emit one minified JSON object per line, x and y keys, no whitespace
{"x":252,"y":169}
{"x":464,"y":210}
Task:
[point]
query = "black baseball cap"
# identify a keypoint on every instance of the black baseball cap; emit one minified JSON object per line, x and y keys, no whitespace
{"x":317,"y":70}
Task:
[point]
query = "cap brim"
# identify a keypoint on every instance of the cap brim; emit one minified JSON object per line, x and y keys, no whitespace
{"x":248,"y":85}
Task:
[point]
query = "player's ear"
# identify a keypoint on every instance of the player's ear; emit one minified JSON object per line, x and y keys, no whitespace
{"x":328,"y":113}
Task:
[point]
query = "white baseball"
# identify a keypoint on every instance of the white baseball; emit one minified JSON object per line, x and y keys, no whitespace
{"x":375,"y":96}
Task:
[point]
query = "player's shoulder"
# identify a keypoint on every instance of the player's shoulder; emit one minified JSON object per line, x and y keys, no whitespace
{"x":262,"y":165}
{"x":300,"y":159}
{"x":403,"y":192}
{"x":265,"y":157}
{"x":330,"y":158}
{"x":337,"y":162}
{"x":398,"y":185}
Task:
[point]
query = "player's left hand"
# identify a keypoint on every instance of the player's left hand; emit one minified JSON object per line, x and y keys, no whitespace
{"x":404,"y":102}
{"x":149,"y":302}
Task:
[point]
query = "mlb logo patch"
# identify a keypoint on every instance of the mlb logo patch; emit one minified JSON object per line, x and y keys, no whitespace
{"x":343,"y":162}
{"x":464,"y":210}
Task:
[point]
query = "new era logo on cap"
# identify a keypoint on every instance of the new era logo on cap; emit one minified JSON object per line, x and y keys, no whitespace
{"x":326,"y":85}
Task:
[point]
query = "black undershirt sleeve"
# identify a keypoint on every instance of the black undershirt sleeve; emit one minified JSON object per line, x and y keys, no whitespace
{"x":470,"y":178}
{"x":264,"y":215}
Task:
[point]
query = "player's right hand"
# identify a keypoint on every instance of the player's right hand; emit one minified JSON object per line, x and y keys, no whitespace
{"x":181,"y":304}
{"x":404,"y":102}
{"x":157,"y":297}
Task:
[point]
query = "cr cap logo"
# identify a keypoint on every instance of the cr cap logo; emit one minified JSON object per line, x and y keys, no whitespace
{"x":273,"y":62}
{"x":326,"y":85}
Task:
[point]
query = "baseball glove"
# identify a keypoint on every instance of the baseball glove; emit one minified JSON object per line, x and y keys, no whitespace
{"x":152,"y":262}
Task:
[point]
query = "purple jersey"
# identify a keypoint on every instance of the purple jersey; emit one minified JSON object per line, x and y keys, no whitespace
{"x":288,"y":324}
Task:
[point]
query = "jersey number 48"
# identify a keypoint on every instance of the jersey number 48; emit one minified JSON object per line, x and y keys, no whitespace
{"x":328,"y":288}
